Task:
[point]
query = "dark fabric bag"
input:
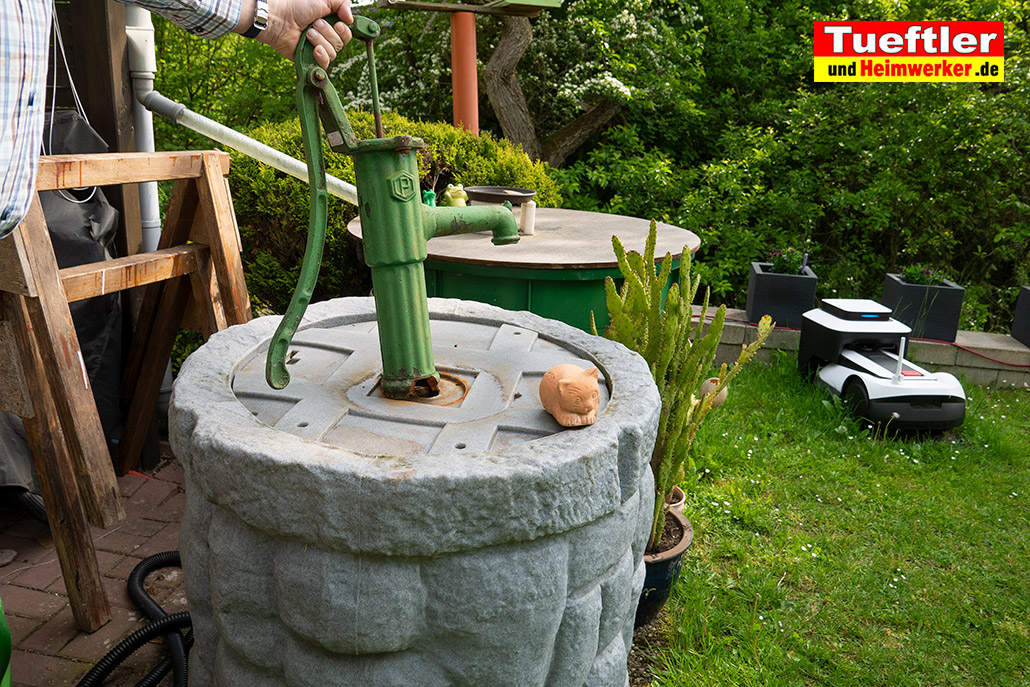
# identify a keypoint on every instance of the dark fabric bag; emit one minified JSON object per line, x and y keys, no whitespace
{"x":82,"y":226}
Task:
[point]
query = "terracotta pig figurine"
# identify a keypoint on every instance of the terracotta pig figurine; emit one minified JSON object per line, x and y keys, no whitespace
{"x":570,"y":394}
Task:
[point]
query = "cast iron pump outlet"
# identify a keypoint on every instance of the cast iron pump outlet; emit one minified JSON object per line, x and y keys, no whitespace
{"x":395,"y":227}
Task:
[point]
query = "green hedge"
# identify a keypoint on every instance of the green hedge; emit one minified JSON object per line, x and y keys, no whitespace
{"x":272,"y":207}
{"x":866,"y":177}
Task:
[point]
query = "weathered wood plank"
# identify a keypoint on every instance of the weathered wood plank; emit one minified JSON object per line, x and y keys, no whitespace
{"x":58,"y":346}
{"x":56,"y":475}
{"x":14,"y":392}
{"x":208,"y":313}
{"x":158,"y":349}
{"x":98,"y":278}
{"x":15,"y":276}
{"x":182,"y":209}
{"x":216,"y":226}
{"x":106,"y":169}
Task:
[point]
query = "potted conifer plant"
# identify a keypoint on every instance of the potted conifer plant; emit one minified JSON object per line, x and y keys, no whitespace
{"x":783,"y":287}
{"x":680,"y":351}
{"x":925,"y":300}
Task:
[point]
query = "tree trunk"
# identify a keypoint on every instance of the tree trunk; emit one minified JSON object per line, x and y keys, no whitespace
{"x":502,"y":85}
{"x":509,"y":104}
{"x":570,"y":137}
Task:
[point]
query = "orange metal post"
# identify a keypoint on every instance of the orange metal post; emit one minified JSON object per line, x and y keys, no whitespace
{"x":464,"y":76}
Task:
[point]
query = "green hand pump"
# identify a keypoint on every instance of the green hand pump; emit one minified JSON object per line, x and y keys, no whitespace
{"x":395,"y":227}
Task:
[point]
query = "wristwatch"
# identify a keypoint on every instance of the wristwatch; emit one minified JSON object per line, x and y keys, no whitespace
{"x":260,"y":19}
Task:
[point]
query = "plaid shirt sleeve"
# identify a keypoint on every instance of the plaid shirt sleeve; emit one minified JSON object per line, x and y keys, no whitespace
{"x":24,"y":41}
{"x":205,"y":18}
{"x":24,"y":33}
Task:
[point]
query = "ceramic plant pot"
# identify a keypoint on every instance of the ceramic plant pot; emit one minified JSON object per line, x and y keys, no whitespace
{"x":1021,"y":321}
{"x":661,"y":572}
{"x":933,"y":312}
{"x":783,"y":297}
{"x":710,"y":385}
{"x":675,"y":500}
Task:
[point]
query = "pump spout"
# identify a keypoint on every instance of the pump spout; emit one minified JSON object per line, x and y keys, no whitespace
{"x":497,"y":219}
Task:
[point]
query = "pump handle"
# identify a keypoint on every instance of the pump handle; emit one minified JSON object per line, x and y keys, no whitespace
{"x":316,"y":99}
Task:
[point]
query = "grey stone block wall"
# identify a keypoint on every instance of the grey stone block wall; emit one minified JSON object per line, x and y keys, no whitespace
{"x":312,"y":565}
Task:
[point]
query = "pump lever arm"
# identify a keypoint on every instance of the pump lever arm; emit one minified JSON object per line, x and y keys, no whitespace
{"x":316,"y":99}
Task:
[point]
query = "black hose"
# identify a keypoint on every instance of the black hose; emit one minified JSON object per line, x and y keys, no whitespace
{"x":153,"y":611}
{"x":154,"y":677}
{"x":163,"y":624}
{"x":98,"y":673}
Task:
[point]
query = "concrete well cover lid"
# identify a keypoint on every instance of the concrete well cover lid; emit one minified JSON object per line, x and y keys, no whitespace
{"x":493,"y":370}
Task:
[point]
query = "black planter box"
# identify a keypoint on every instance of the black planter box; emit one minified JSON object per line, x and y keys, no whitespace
{"x":784,"y":297}
{"x":1021,"y":322}
{"x":933,"y":312}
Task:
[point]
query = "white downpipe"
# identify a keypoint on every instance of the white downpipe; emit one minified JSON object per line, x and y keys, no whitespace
{"x":139,"y":31}
{"x":142,"y":66}
{"x":178,"y":113}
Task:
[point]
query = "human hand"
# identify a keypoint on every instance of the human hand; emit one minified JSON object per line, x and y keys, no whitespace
{"x":287,"y":19}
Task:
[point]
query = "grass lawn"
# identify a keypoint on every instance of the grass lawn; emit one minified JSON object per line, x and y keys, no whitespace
{"x":825,"y":554}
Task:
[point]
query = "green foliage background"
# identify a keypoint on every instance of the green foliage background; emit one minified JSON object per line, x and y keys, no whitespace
{"x":272,"y":207}
{"x":867,"y":177}
{"x":722,"y":131}
{"x":245,"y":85}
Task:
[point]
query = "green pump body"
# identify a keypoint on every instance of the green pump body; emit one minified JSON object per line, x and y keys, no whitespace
{"x":395,"y":227}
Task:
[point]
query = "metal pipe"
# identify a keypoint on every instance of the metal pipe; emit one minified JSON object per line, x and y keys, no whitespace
{"x":464,"y":73}
{"x":139,"y":31}
{"x":180,"y":114}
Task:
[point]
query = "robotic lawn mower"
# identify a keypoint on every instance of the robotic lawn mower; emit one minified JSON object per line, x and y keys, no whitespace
{"x":856,"y":349}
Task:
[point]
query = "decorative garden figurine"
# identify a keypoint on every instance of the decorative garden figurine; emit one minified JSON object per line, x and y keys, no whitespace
{"x":455,"y":196}
{"x":429,"y":198}
{"x":709,"y":386}
{"x":570,"y":394}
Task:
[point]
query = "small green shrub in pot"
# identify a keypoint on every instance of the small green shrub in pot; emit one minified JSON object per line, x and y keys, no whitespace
{"x":680,"y":351}
{"x":789,"y":261}
{"x":920,"y":274}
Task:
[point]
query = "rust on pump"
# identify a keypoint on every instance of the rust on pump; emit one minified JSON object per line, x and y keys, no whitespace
{"x":395,"y":226}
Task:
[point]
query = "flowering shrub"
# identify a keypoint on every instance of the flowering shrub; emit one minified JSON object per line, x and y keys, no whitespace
{"x":918,"y":274}
{"x":789,"y":261}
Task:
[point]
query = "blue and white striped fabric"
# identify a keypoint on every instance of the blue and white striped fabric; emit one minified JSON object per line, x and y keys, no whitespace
{"x":24,"y":41}
{"x":24,"y":28}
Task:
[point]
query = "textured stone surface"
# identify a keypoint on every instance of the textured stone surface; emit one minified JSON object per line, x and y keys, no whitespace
{"x":312,"y":564}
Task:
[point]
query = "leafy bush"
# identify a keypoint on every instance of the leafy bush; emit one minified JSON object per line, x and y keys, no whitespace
{"x":862,"y":176}
{"x":622,"y":175}
{"x":233,"y":80}
{"x":272,"y":207}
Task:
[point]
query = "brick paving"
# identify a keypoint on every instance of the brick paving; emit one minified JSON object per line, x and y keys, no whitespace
{"x":48,"y":649}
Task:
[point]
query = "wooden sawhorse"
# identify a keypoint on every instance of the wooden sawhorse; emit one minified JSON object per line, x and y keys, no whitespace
{"x":42,"y":374}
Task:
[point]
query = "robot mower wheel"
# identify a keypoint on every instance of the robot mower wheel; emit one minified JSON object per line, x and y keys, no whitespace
{"x":854,"y":394}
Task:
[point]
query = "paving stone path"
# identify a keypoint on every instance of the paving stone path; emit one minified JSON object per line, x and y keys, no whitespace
{"x":48,"y":649}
